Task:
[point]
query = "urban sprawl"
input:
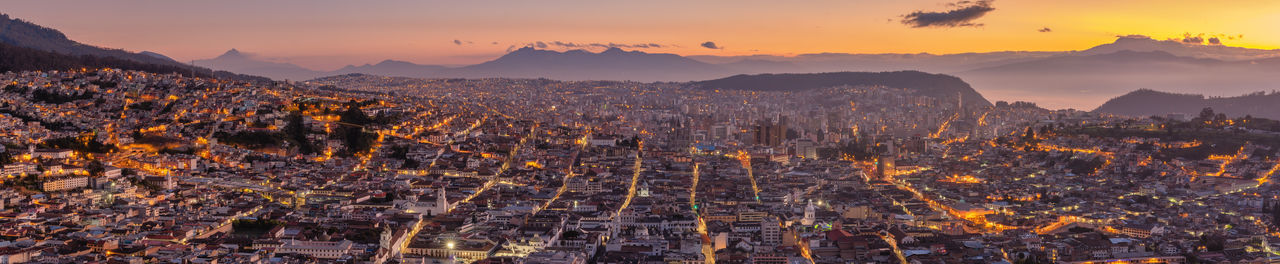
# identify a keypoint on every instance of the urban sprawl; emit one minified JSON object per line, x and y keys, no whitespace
{"x":112,"y":166}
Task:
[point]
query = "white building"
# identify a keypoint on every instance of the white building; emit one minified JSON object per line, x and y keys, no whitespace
{"x":317,"y":249}
{"x":53,"y":185}
{"x":554,"y":257}
{"x":770,"y":231}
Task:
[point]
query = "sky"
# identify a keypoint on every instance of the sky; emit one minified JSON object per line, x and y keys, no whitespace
{"x":328,"y":34}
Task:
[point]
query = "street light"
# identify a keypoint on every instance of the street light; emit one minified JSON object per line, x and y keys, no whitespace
{"x":450,"y":246}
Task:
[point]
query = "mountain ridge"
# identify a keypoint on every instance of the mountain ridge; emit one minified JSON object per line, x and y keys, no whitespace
{"x":922,"y":83}
{"x":234,"y":60}
{"x":28,"y":46}
{"x":1146,"y":102}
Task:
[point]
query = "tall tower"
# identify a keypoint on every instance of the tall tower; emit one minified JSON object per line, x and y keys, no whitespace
{"x":442,"y":202}
{"x":809,"y":214}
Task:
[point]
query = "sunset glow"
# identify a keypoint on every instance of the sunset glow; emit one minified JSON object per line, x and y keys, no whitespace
{"x":425,"y":31}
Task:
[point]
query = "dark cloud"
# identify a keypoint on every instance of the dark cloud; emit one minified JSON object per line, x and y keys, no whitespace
{"x":711,"y":45}
{"x":540,"y":45}
{"x":1187,"y":38}
{"x":962,"y":14}
{"x":1203,"y":38}
{"x":1134,"y":36}
{"x":457,"y":42}
{"x":573,"y":45}
{"x":1045,"y":30}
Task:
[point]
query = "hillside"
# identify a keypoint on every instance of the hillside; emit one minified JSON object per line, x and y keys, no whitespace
{"x":27,"y":46}
{"x":1147,"y":102}
{"x":25,"y":34}
{"x":393,"y":68}
{"x":935,"y":85}
{"x":14,"y":58}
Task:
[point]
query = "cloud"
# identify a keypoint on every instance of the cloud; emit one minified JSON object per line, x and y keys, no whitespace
{"x":1045,"y":30}
{"x":573,"y":45}
{"x":457,"y":42}
{"x":1197,"y":38}
{"x":711,"y":45}
{"x":962,"y":14}
{"x":1187,"y":38}
{"x":1133,"y":36}
{"x":579,"y":45}
{"x":464,"y":42}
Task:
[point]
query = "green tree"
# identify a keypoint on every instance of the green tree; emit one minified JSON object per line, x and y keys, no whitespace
{"x":296,"y":131}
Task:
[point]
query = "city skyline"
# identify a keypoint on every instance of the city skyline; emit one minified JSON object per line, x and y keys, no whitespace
{"x":472,"y":32}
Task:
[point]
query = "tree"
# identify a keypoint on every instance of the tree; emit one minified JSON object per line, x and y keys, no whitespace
{"x":353,"y":114}
{"x":1206,"y":113}
{"x":297,"y":132}
{"x":96,"y":168}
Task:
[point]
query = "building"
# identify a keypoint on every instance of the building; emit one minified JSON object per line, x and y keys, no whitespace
{"x":806,"y":148}
{"x":770,"y":231}
{"x":555,"y":257}
{"x":885,"y":167}
{"x":439,"y":206}
{"x":317,"y":249}
{"x":810,"y":213}
{"x":60,"y":184}
{"x":769,"y":134}
{"x":52,"y":153}
{"x":17,"y":169}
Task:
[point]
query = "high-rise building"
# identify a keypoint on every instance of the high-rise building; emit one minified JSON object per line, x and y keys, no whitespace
{"x":770,"y":231}
{"x":770,"y":134}
{"x":885,"y":167}
{"x":807,"y":148}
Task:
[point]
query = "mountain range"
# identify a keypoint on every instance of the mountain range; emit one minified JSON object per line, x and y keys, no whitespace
{"x":1146,"y":102}
{"x":611,"y":64}
{"x":1068,"y":79}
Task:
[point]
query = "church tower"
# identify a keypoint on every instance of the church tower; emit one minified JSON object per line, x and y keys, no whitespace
{"x":442,"y":202}
{"x":809,"y":214}
{"x":644,"y":190}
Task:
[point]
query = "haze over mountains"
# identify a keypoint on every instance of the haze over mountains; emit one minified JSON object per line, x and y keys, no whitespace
{"x":611,"y":64}
{"x":1072,"y":79}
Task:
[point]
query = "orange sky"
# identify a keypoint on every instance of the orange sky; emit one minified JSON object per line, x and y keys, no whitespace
{"x":327,"y":34}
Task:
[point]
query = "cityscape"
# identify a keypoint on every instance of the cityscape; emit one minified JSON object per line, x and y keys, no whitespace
{"x":626,"y":155}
